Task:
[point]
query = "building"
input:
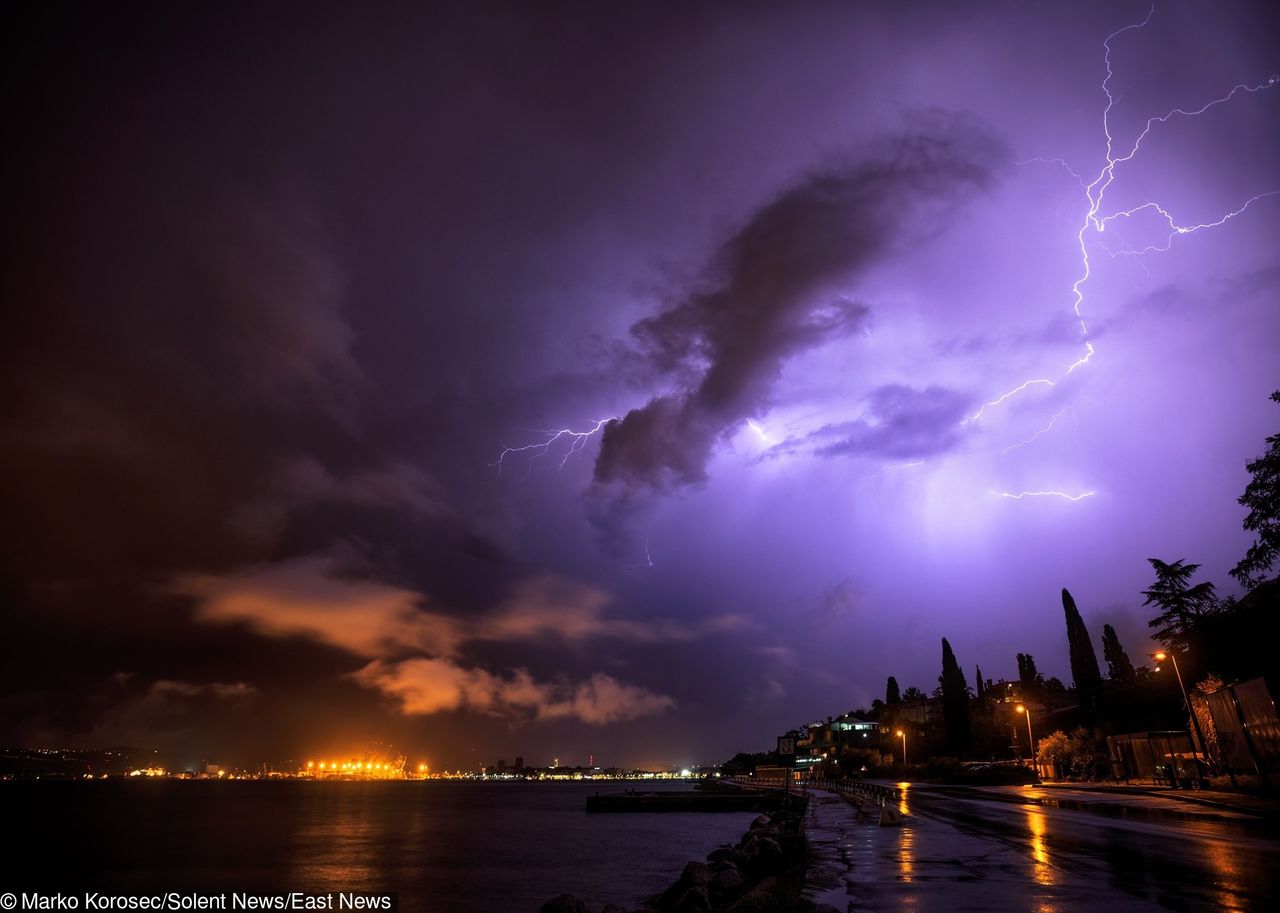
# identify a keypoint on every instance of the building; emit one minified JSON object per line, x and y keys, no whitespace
{"x":832,"y":738}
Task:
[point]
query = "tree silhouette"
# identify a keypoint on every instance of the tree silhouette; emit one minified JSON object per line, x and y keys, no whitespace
{"x":913,"y":694}
{"x":1262,"y":497}
{"x":1180,"y":603}
{"x":891,"y":694}
{"x":1119,"y":669}
{"x":1027,"y":673}
{"x":1084,"y":662}
{"x":979,"y":690}
{"x":955,"y":701}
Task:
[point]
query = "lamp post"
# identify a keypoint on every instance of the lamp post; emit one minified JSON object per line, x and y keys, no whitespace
{"x":1186,"y":699}
{"x":1031,"y":739}
{"x":901,"y":733}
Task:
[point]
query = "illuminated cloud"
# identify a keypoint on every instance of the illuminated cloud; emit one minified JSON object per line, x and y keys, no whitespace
{"x":775,"y":293}
{"x":426,"y":686}
{"x":311,"y":598}
{"x":415,"y":651}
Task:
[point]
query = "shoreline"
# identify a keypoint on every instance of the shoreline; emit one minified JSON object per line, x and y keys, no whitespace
{"x":765,"y":869}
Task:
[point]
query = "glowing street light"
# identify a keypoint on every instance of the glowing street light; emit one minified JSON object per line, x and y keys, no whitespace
{"x":1160,"y":657}
{"x":1031,"y":739}
{"x":903,"y":735}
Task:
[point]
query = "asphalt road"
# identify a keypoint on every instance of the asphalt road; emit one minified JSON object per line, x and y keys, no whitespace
{"x":962,"y":849}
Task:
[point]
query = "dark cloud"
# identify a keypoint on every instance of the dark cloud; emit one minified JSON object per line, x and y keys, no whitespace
{"x":902,"y":422}
{"x":282,"y":288}
{"x":774,"y":291}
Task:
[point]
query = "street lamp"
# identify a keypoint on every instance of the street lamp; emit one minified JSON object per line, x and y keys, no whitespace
{"x":1031,"y":739}
{"x":1186,"y":699}
{"x":903,"y":735}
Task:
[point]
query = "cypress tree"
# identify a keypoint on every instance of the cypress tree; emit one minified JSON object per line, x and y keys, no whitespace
{"x":1119,"y":669}
{"x":979,"y":690}
{"x":955,"y":702}
{"x":1084,"y":662}
{"x":1027,"y":673}
{"x":891,"y":693}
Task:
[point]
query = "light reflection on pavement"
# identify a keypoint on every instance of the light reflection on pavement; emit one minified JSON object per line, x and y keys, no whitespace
{"x":963,"y":850}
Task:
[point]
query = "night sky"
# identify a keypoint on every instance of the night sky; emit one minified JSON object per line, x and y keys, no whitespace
{"x":299,"y":290}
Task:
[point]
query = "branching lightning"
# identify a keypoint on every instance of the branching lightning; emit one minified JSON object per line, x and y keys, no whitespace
{"x":536,"y":451}
{"x":1098,"y":229}
{"x":1096,"y":223}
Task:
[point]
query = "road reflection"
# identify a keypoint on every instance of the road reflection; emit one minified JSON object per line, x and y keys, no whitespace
{"x":1228,"y":874}
{"x":907,"y":838}
{"x":1041,"y":868}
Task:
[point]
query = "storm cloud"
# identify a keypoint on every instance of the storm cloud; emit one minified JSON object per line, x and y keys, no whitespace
{"x":776,"y":288}
{"x":285,"y":287}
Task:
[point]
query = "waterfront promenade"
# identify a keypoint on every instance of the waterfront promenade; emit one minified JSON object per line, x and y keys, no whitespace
{"x":1056,"y":847}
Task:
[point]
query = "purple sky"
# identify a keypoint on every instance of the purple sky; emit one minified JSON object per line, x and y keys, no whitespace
{"x":296,"y":286}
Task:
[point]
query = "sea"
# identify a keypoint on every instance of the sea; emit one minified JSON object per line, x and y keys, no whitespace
{"x":440,"y":845}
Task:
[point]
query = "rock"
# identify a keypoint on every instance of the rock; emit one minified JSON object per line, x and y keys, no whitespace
{"x":694,"y":900}
{"x":761,"y":897}
{"x":727,"y":884}
{"x":794,"y":847}
{"x":760,"y":821}
{"x":565,"y":903}
{"x":696,"y":873}
{"x":765,"y":858}
{"x":733,"y":862}
{"x":722,"y":852}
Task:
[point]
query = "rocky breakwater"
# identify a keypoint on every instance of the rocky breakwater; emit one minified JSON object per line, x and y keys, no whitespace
{"x":763,"y":873}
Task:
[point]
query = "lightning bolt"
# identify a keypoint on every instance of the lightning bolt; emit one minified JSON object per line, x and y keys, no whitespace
{"x":577,"y":440}
{"x":1045,"y":430}
{"x":1094,"y":222}
{"x":760,"y":432}
{"x":1044,"y":494}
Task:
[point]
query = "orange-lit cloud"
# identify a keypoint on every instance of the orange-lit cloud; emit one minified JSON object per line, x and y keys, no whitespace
{"x":415,"y":652}
{"x":308,"y":597}
{"x":425,"y":686}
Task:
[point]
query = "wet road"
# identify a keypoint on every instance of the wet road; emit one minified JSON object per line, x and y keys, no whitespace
{"x":961,"y":849}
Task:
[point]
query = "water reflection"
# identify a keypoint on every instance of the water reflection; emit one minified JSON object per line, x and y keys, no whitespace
{"x":1227,"y":875}
{"x":337,"y":850}
{"x":906,"y":838}
{"x":1041,"y":868}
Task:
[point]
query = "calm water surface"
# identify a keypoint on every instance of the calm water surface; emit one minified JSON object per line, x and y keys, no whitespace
{"x":470,"y":847}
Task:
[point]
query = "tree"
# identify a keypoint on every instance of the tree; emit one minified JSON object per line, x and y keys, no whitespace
{"x":1055,"y":749}
{"x":955,"y":702}
{"x":891,"y":694}
{"x":980,"y":690}
{"x":912,"y":694}
{"x":1084,"y":662}
{"x":1262,"y":497}
{"x":1180,"y":603}
{"x":1027,"y":673}
{"x":1081,"y":754}
{"x":1119,"y":669}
